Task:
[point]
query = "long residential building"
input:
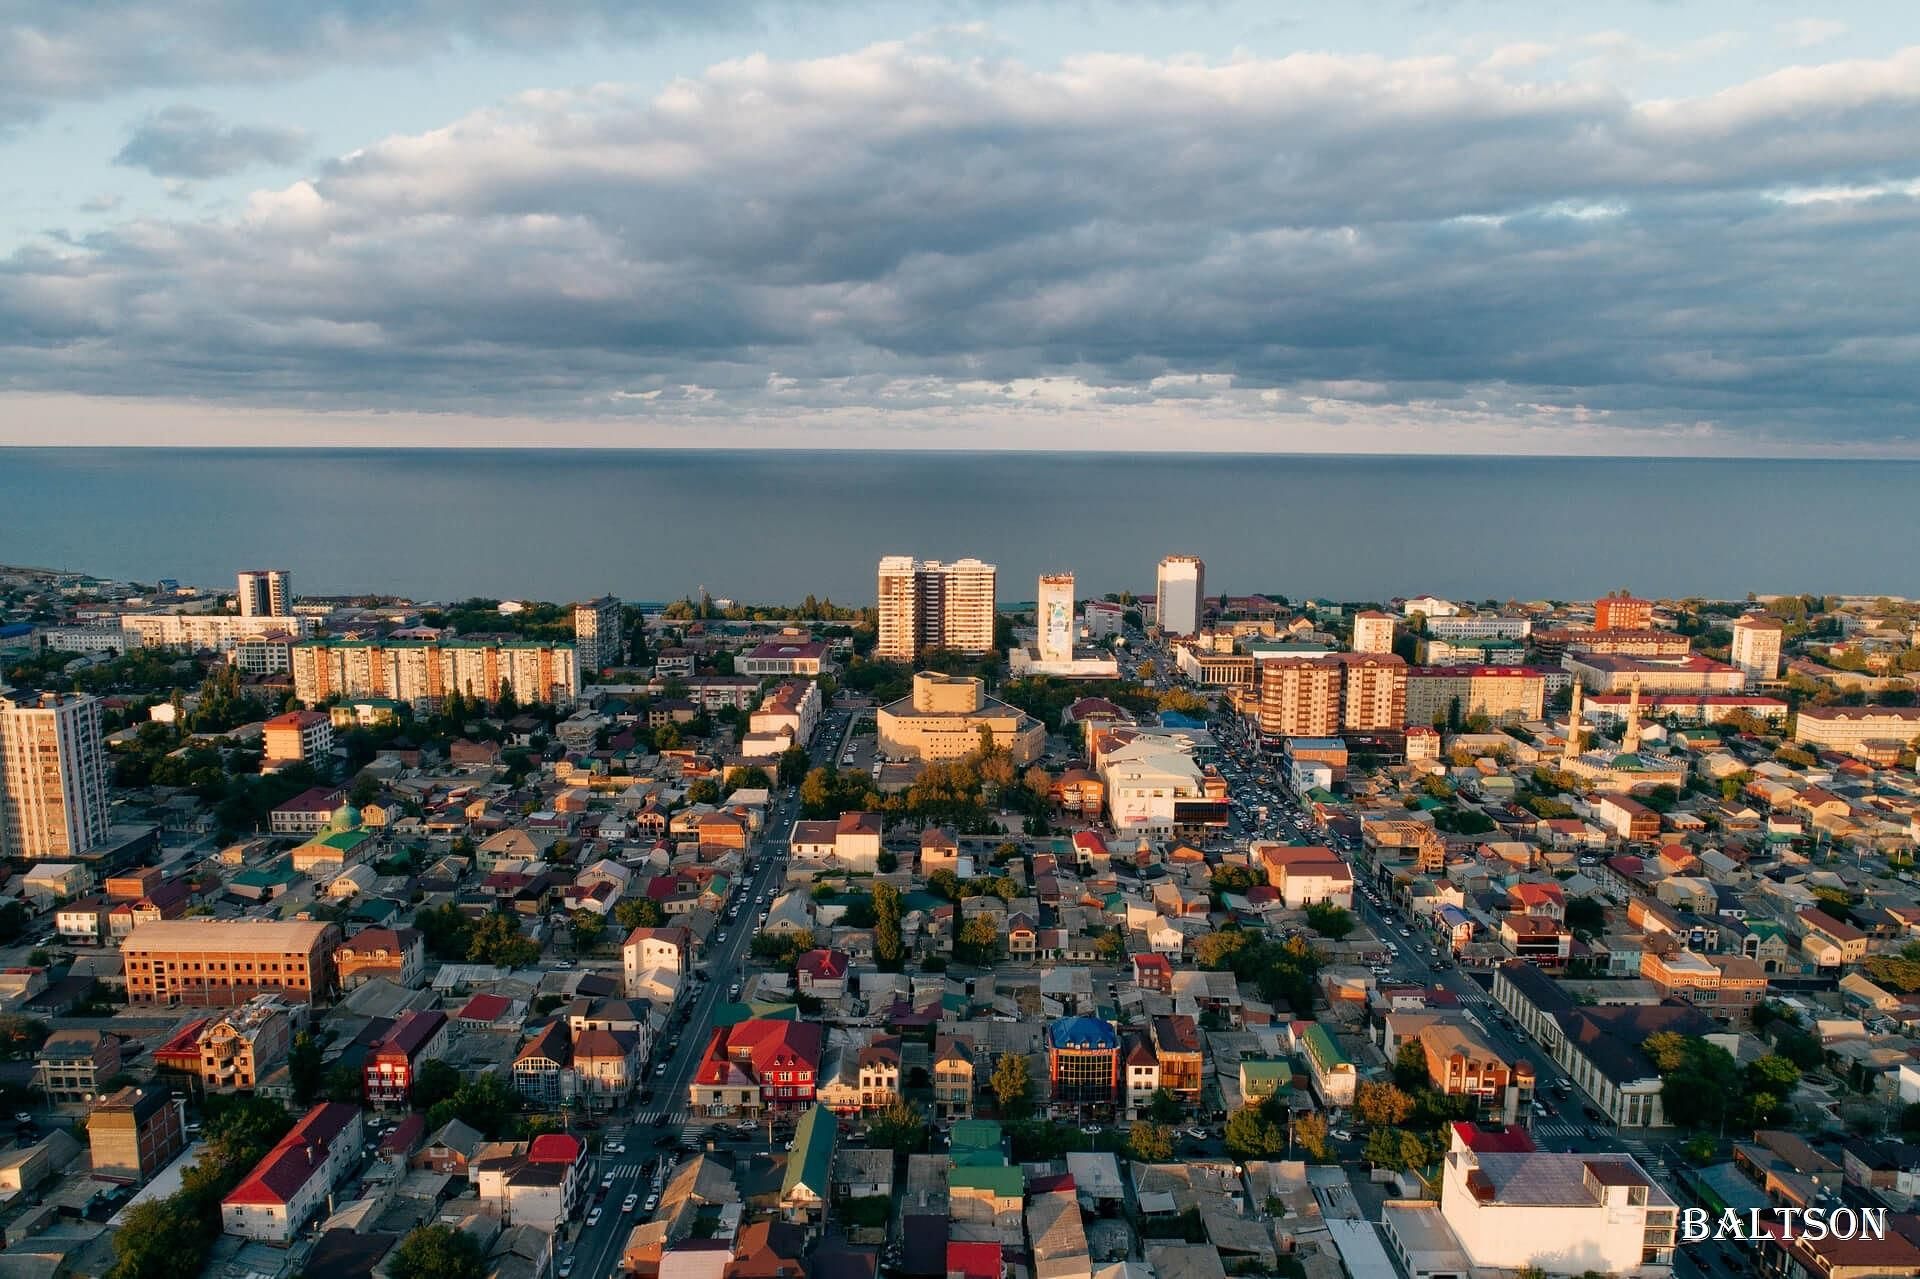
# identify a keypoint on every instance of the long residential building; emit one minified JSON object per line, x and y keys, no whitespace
{"x":218,"y":632}
{"x":425,"y":672}
{"x":291,"y":1182}
{"x":201,"y":962}
{"x":1851,"y":728}
{"x":1504,"y":694}
{"x":1614,"y":673}
{"x":53,"y":776}
{"x":927,"y":605}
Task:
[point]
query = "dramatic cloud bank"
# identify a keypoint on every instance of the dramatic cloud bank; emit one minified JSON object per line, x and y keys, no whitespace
{"x":909,"y":234}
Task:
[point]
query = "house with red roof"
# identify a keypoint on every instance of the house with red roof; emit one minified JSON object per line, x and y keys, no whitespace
{"x":484,"y":1011}
{"x":291,"y":1182}
{"x":1509,"y":1140}
{"x":1153,"y":972}
{"x":1546,"y":900}
{"x":758,"y":1064}
{"x":417,"y":1038}
{"x":821,"y":974}
{"x":973,"y":1259}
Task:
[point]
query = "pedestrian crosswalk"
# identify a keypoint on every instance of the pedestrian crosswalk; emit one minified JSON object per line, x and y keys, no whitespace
{"x":1555,"y":1128}
{"x":651,"y":1115}
{"x":622,"y":1171}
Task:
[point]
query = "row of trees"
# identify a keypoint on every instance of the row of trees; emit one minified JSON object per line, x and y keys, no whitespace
{"x":494,"y":938}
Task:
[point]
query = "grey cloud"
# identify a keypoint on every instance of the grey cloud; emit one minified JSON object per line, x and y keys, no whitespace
{"x":899,"y":232}
{"x":187,"y":142}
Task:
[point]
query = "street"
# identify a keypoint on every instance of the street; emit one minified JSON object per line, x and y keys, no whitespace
{"x":652,"y":1129}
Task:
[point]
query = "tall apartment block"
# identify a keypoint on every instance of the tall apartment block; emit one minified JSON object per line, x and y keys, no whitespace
{"x":1622,"y":612}
{"x":266,"y":592}
{"x":1053,"y":616}
{"x":596,"y":634}
{"x":53,"y":775}
{"x":927,"y":604}
{"x":1304,"y":695}
{"x":1756,"y":647}
{"x":1180,"y":592}
{"x":1372,"y":632}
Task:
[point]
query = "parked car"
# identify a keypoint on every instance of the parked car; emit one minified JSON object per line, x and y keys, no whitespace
{"x":628,"y":1204}
{"x":593,"y":1218}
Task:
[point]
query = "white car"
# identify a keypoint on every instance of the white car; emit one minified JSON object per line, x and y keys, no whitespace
{"x":566,"y":1266}
{"x":627,"y":1204}
{"x":653,"y":1201}
{"x":593,"y":1218}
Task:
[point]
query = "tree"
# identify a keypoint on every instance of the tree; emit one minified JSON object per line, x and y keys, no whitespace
{"x":435,"y":1083}
{"x":447,"y":932}
{"x":639,"y":912}
{"x":159,"y":1239}
{"x":751,"y":777}
{"x":1012,"y":1085}
{"x":589,"y":926}
{"x":704,"y":791}
{"x":1311,"y":1132}
{"x":1165,"y":1108}
{"x":886,"y":863}
{"x":793,"y":766}
{"x":1410,"y":1067}
{"x":1383,"y":1105}
{"x":497,"y":940}
{"x":978,"y":942}
{"x":437,"y":1252}
{"x":888,"y":950}
{"x":900,"y":1127}
{"x":1329,"y":920}
{"x":1150,"y":1142}
{"x":304,"y":1068}
{"x":944,"y":883}
{"x":1586,"y":915}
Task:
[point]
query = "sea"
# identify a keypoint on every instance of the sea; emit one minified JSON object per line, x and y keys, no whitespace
{"x":774,"y":526}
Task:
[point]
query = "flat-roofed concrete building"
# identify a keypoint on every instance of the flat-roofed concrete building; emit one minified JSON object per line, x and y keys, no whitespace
{"x":220,"y":964}
{"x":927,"y":604}
{"x":1855,"y":728}
{"x":1756,"y":646}
{"x":53,"y":776}
{"x":1180,"y":594}
{"x":597,"y":636}
{"x":942,"y":718}
{"x":135,"y":1133}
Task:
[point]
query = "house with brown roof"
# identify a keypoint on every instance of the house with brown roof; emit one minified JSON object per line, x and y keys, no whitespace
{"x":397,"y":954}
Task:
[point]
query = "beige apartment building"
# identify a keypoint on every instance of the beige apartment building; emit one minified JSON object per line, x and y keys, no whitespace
{"x":298,"y":737}
{"x":424,"y":672}
{"x":1372,"y":632}
{"x":1504,"y":694}
{"x":1373,"y":692}
{"x":1299,"y":696}
{"x":200,"y":962}
{"x":265,"y":592}
{"x":1855,"y":728}
{"x":1756,"y":646}
{"x":942,"y":718}
{"x":597,"y":633}
{"x":927,"y":604}
{"x":53,"y":776}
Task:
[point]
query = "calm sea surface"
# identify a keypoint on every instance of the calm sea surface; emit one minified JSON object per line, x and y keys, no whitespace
{"x":776,"y":525}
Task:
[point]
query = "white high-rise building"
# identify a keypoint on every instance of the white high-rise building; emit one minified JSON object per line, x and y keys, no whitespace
{"x":927,"y":604}
{"x":1756,"y":646}
{"x":265,"y":592}
{"x":1180,"y":590}
{"x":596,"y":634}
{"x":1053,"y":616}
{"x":53,"y":775}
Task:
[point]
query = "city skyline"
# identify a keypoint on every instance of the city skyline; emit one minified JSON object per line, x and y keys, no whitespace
{"x":1116,"y":227}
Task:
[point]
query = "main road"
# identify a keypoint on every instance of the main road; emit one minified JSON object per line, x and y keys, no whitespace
{"x":648,"y":1126}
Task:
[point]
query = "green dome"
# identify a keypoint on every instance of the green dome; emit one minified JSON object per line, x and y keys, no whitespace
{"x":345,"y":817}
{"x":1630,"y":762}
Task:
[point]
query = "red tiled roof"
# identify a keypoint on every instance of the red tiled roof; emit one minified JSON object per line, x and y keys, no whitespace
{"x":485,"y":1008}
{"x":555,"y":1148}
{"x":822,"y":963}
{"x":411,"y":1033}
{"x":1507,"y":1141}
{"x":277,"y":1178}
{"x":973,"y":1260}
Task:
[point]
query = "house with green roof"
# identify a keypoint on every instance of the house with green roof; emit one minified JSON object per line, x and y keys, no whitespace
{"x":1334,"y":1078}
{"x":805,"y":1186}
{"x":1260,"y":1080}
{"x":987,"y":1195}
{"x":976,"y":1143}
{"x":264,"y":883}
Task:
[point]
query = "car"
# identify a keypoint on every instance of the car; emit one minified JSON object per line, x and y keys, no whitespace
{"x":721,"y":938}
{"x":606,"y":1182}
{"x":22,"y":1117}
{"x":1406,"y":932}
{"x":659,"y":1070}
{"x":1340,"y":1134}
{"x":617,"y":1148}
{"x":593,"y":1218}
{"x":629,"y":1203}
{"x":653,"y":1201}
{"x":566,"y":1266}
{"x":1092,"y":1130}
{"x":1198,"y":1134}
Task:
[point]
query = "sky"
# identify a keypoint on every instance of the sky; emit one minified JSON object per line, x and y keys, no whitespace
{"x":1653,"y":227}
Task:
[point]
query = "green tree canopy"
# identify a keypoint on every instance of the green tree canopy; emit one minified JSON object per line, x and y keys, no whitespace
{"x":437,"y":1251}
